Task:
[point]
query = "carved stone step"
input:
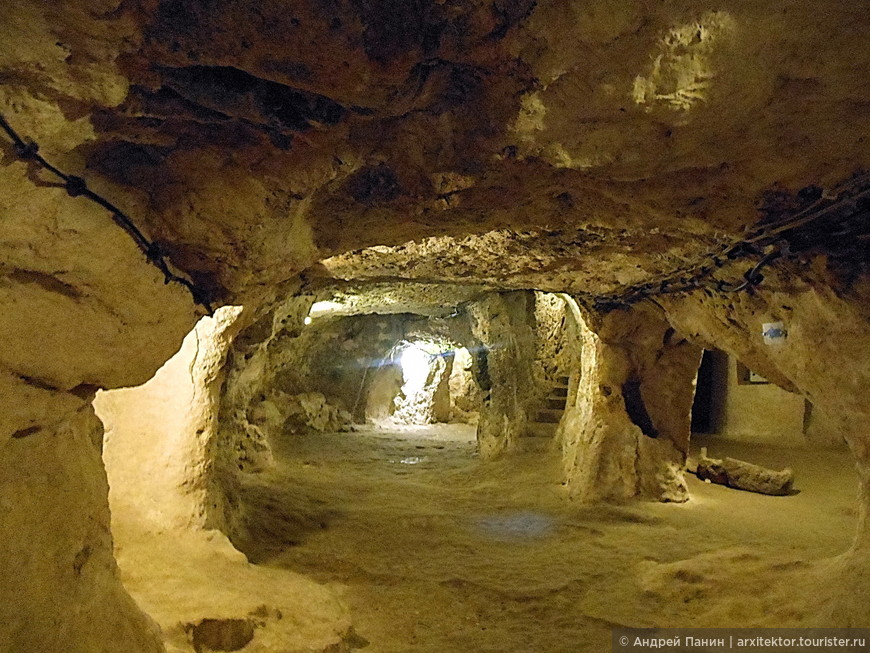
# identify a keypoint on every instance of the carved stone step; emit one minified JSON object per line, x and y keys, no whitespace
{"x":540,"y":430}
{"x":550,"y":415}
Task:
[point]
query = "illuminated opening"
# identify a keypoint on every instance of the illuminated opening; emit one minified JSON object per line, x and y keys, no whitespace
{"x":414,"y":362}
{"x":324,"y":308}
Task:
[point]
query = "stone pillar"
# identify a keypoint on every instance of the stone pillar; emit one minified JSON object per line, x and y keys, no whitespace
{"x":627,"y":432}
{"x":250,"y":374}
{"x":501,"y":322}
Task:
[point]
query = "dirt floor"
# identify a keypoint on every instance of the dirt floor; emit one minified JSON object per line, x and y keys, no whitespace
{"x":432,"y":550}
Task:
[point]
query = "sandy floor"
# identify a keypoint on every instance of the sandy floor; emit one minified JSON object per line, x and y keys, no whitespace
{"x":432,"y":550}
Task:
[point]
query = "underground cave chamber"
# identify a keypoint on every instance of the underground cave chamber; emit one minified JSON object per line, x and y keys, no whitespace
{"x":395,"y":326}
{"x":286,"y":438}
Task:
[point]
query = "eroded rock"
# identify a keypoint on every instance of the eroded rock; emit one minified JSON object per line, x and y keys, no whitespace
{"x":626,"y":434}
{"x":741,"y":475}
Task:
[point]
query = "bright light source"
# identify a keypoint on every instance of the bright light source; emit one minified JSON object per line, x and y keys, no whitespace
{"x":461,"y":358}
{"x":324,"y":307}
{"x":415,"y":368}
{"x":307,"y":320}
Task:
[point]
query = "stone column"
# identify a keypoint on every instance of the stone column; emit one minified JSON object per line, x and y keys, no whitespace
{"x":501,"y":323}
{"x":627,"y":432}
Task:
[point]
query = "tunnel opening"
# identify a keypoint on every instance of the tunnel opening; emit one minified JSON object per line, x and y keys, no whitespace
{"x":252,"y":470}
{"x":423,"y":381}
{"x":703,"y":405}
{"x":636,"y":408}
{"x":734,"y":401}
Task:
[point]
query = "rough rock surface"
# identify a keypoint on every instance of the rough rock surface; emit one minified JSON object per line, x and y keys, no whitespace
{"x":502,"y":324}
{"x":60,"y":581}
{"x":550,"y":145}
{"x":627,"y":432}
{"x":310,"y":410}
{"x":557,"y":334}
{"x":742,"y":475}
{"x":162,"y":438}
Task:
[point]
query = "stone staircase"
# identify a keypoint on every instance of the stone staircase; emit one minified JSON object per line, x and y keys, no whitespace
{"x":539,"y":433}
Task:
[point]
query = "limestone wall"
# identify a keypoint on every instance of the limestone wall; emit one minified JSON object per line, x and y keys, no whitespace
{"x":626,"y":432}
{"x":82,"y":309}
{"x":163,"y":455}
{"x":502,"y":323}
{"x":60,"y":589}
{"x":465,"y":393}
{"x":761,"y":412}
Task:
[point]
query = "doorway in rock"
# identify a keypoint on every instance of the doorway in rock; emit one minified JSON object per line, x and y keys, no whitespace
{"x":703,"y":407}
{"x":736,"y":402}
{"x":421,"y":381}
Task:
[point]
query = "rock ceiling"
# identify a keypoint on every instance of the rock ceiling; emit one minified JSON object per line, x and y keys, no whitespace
{"x":576,"y":146}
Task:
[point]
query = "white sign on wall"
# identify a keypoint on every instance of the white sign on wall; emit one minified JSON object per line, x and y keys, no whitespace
{"x":774,"y":333}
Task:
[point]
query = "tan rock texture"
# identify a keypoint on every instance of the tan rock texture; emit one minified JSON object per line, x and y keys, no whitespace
{"x":162,"y":438}
{"x":60,"y":585}
{"x":626,"y":433}
{"x":259,"y":139}
{"x":558,"y":339}
{"x":503,"y":325}
{"x":562,"y":146}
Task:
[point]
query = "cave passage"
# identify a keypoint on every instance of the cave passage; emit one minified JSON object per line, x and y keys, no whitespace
{"x":349,"y":450}
{"x":402,"y":326}
{"x":436,"y":550}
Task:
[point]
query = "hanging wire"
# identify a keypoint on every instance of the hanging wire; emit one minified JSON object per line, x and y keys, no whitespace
{"x":27,"y":150}
{"x":696,"y":276}
{"x":774,"y":236}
